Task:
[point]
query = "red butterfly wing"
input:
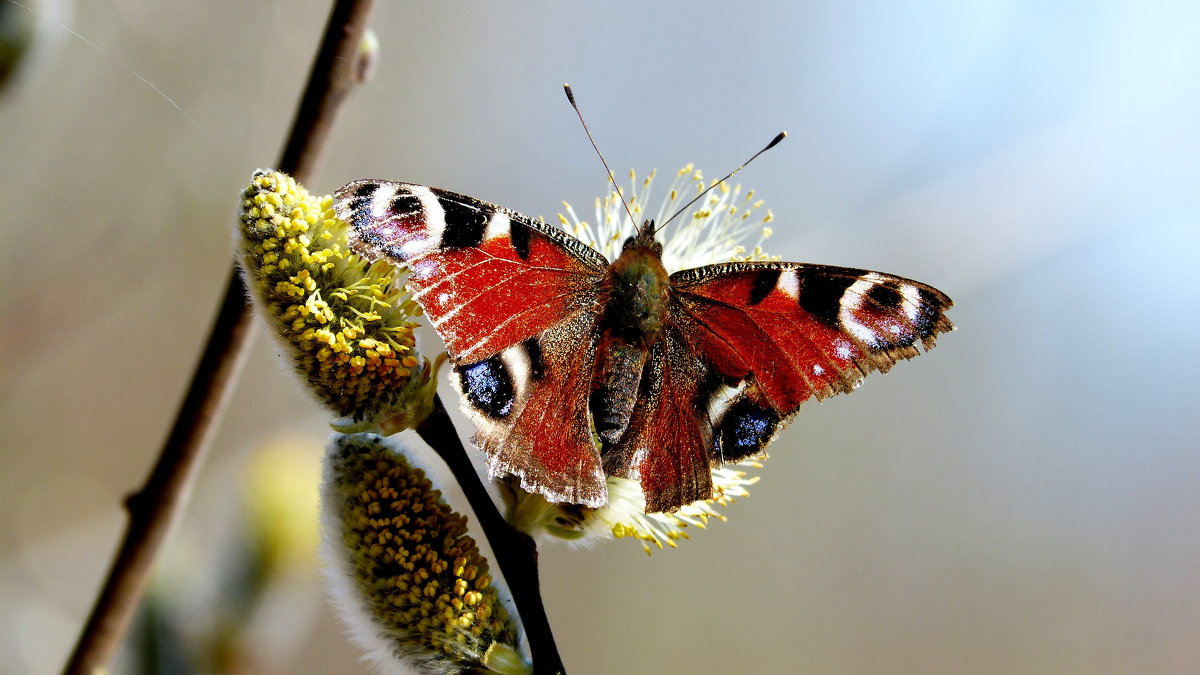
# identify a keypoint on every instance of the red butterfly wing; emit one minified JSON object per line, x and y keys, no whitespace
{"x":530,"y":406}
{"x":496,"y":286}
{"x":487,"y":277}
{"x":805,"y":330}
{"x":751,"y":342}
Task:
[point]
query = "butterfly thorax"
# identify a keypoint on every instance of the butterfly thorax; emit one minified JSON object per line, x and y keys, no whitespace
{"x":636,"y":307}
{"x":634,"y":291}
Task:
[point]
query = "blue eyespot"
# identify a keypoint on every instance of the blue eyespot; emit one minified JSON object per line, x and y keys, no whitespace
{"x":488,"y":387}
{"x":744,"y":430}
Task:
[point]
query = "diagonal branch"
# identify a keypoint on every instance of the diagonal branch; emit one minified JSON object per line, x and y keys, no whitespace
{"x":154,"y":508}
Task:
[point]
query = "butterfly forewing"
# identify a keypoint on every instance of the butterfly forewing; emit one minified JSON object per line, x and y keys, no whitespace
{"x":487,"y":277}
{"x":749,"y":343}
{"x":801,"y":330}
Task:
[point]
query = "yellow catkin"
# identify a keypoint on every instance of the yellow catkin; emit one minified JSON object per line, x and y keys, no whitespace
{"x":416,"y":569}
{"x":334,"y":310}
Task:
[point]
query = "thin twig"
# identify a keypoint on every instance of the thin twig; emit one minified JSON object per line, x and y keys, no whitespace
{"x":515,"y":552}
{"x":154,"y":508}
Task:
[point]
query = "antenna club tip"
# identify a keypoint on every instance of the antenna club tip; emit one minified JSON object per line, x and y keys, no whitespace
{"x":775,"y":141}
{"x":570,"y":94}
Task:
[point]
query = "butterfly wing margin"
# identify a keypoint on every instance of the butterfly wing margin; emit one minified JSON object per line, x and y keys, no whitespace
{"x":487,"y":277}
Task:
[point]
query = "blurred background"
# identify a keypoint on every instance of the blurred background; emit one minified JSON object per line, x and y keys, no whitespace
{"x":1022,"y":499}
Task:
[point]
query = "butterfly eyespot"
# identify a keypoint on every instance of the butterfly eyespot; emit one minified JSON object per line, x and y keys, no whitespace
{"x":744,"y":430}
{"x":488,"y":386}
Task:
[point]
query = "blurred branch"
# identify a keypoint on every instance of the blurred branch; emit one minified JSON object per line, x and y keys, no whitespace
{"x":154,"y":508}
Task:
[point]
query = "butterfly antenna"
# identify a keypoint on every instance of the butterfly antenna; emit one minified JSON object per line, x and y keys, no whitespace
{"x":571,"y":98}
{"x":773,"y":143}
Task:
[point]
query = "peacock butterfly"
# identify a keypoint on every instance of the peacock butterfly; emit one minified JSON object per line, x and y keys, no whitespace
{"x":575,"y":368}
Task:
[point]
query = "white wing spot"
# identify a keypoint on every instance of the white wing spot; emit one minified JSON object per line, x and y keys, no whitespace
{"x":498,"y":227}
{"x":850,"y":305}
{"x":789,"y":284}
{"x":843,"y":350}
{"x":912,"y":301}
{"x":722,"y":398}
{"x":435,"y":223}
{"x":381,"y":199}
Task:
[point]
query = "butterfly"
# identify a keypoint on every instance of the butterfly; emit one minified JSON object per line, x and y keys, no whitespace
{"x":574,"y":368}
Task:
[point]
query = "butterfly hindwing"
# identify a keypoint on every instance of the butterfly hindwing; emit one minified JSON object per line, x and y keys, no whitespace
{"x":538,"y":428}
{"x":487,"y":277}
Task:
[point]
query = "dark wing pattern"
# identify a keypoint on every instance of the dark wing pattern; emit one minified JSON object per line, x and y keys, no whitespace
{"x":539,"y":428}
{"x":752,"y":341}
{"x":497,"y":286}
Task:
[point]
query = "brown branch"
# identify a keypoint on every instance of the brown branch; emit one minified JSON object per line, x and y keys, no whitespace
{"x":154,"y":508}
{"x":515,"y":552}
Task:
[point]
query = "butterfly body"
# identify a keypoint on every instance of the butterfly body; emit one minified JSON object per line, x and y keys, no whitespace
{"x":635,"y":294}
{"x":574,"y":368}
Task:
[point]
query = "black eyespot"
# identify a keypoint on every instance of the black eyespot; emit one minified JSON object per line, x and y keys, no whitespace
{"x":885,"y":295}
{"x":537,"y":366}
{"x":744,"y":430}
{"x":365,"y":189}
{"x":488,"y":387}
{"x":404,"y":203}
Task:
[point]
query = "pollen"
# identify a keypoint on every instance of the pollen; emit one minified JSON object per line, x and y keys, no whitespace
{"x":715,"y":230}
{"x":624,"y":515}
